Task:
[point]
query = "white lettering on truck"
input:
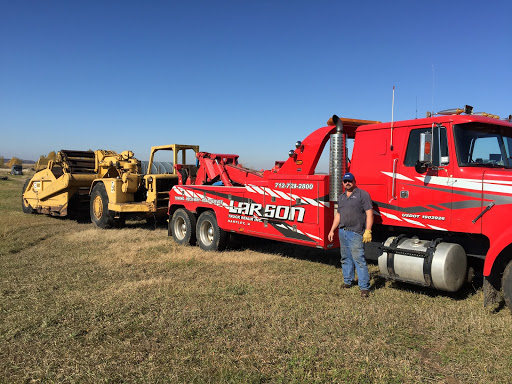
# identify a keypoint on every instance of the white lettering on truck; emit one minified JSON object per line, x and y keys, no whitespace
{"x":282,"y":212}
{"x":427,"y":217}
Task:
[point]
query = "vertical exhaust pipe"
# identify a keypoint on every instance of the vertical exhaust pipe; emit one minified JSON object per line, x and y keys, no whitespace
{"x":337,"y":160}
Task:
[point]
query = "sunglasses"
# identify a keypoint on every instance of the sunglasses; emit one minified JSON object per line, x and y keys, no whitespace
{"x":347,"y":181}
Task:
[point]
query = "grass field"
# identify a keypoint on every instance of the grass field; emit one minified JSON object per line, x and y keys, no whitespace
{"x":79,"y":304}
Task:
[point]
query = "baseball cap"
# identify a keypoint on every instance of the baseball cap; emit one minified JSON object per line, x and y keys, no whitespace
{"x":348,"y":177}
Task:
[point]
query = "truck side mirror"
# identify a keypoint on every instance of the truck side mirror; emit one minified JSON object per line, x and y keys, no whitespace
{"x":425,"y":147}
{"x":430,"y":147}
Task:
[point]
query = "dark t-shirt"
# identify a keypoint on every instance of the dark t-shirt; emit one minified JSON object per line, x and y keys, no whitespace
{"x":352,"y":210}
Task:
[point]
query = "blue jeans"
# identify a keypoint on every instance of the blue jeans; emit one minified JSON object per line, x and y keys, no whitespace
{"x":352,"y":255}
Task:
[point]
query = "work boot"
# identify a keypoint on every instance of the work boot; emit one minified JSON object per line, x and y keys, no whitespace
{"x":365,"y":293}
{"x":343,"y":286}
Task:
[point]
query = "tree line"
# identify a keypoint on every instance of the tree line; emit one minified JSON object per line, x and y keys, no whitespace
{"x":12,"y":161}
{"x":43,"y":160}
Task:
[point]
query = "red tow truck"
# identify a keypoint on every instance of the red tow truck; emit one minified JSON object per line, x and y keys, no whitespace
{"x":441,"y":188}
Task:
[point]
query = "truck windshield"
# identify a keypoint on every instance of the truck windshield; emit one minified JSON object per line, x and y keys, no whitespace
{"x":483,"y":145}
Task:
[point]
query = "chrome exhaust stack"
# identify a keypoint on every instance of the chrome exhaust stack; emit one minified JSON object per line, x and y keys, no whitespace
{"x":337,"y":160}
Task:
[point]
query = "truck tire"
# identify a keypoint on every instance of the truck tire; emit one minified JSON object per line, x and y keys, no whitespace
{"x":506,"y":284}
{"x":209,"y":236}
{"x":182,"y":227}
{"x":24,"y":205}
{"x":100,"y":215}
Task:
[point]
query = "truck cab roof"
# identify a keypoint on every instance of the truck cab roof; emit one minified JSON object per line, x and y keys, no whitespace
{"x":456,"y":119}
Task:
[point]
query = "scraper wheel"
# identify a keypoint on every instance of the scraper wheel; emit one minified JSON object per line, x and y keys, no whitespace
{"x":100,"y":215}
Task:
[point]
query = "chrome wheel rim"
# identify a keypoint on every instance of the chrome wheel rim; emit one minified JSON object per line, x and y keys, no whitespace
{"x":180,"y":228}
{"x":206,"y":233}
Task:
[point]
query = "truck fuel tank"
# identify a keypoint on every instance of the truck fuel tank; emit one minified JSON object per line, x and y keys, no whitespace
{"x":430,"y":263}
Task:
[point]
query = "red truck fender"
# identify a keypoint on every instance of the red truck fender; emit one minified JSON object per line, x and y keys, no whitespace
{"x":496,"y":248}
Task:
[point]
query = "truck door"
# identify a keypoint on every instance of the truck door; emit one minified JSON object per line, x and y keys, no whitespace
{"x":424,"y":196}
{"x":484,"y":154}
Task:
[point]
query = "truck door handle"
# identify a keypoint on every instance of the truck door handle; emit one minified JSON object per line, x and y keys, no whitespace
{"x":482,"y":213}
{"x":393,"y":181}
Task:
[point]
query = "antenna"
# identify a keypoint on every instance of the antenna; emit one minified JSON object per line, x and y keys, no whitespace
{"x":392,"y":111}
{"x":433,"y":88}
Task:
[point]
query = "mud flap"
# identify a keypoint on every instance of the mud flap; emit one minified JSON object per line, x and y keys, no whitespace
{"x":491,"y":294}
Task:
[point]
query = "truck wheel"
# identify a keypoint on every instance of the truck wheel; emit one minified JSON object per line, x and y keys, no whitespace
{"x":209,"y":236}
{"x":24,"y":205}
{"x":182,"y":227}
{"x":100,"y":215}
{"x":506,"y":284}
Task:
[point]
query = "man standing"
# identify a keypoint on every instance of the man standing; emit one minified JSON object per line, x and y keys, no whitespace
{"x":354,"y":220}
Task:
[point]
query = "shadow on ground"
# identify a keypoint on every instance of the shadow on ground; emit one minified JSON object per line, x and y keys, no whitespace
{"x":329,"y":257}
{"x":332,"y":257}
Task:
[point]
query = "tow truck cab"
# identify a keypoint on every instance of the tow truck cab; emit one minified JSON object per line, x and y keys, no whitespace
{"x":448,"y":177}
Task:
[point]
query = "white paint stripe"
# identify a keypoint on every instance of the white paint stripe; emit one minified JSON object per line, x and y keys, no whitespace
{"x":304,"y":199}
{"x":314,"y":237}
{"x":437,"y":228}
{"x":258,"y":189}
{"x":501,"y":182}
{"x":475,"y":185}
{"x":283,"y":195}
{"x":248,"y":187}
{"x":295,"y":197}
{"x":447,"y":182}
{"x":498,"y":182}
{"x":390,"y":216}
{"x":310,"y":201}
{"x":414,"y":222}
{"x":439,"y":180}
{"x":497,"y":188}
{"x":398,"y":176}
{"x":376,"y":213}
{"x":270,"y":192}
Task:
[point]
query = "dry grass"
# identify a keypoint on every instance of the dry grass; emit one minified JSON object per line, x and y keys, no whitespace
{"x":80,"y":304}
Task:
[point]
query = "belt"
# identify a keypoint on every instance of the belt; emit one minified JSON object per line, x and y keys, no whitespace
{"x":347,"y":230}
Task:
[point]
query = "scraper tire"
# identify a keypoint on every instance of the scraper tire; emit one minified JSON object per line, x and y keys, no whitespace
{"x":25,"y":206}
{"x":100,"y":215}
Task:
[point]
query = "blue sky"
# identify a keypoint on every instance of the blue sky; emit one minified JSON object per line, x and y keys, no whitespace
{"x":241,"y":77}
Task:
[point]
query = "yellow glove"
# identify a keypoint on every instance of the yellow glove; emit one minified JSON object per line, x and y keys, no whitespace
{"x":367,"y":236}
